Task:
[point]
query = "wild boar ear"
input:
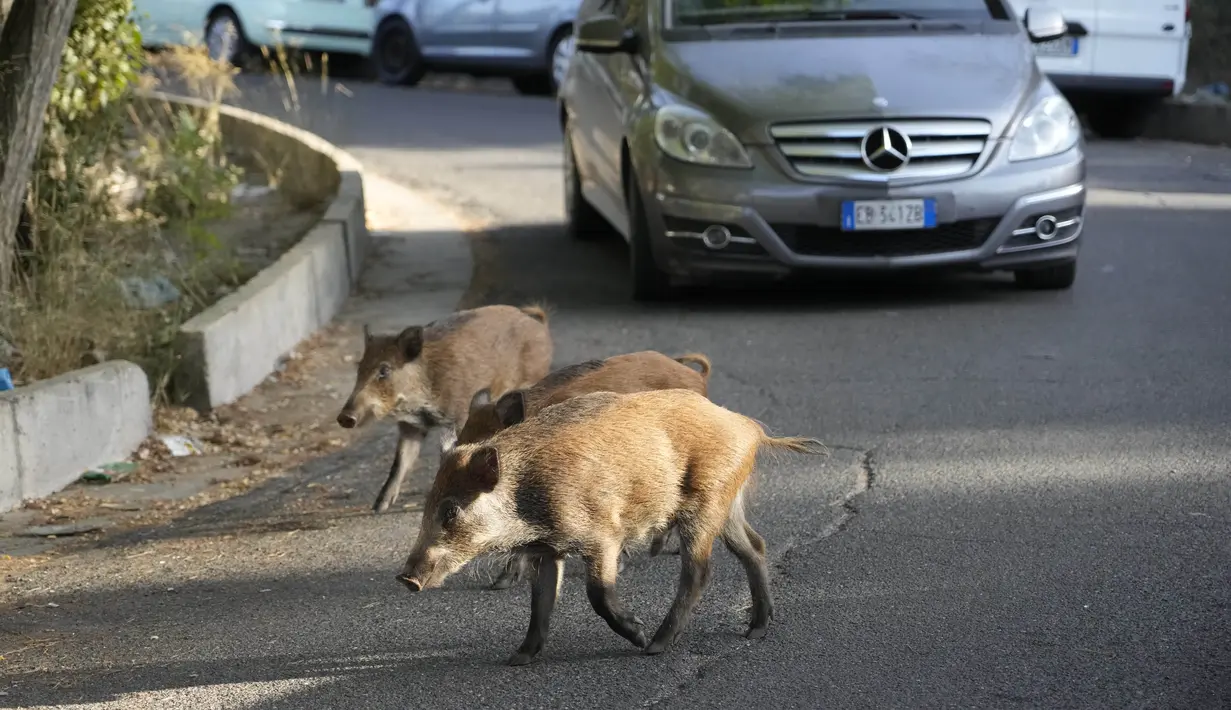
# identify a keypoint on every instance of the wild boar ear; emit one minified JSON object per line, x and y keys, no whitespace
{"x":511,"y":408}
{"x":367,"y":333}
{"x":448,"y":439}
{"x":484,"y":469}
{"x":480,"y":398}
{"x":410,"y":342}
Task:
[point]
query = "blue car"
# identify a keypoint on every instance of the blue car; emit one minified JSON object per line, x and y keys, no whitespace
{"x":232,"y":29}
{"x":529,"y":41}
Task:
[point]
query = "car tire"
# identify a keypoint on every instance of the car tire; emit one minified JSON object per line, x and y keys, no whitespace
{"x":559,"y":52}
{"x":582,"y":221}
{"x":1121,"y":120}
{"x":395,"y":54}
{"x":1049,"y":278}
{"x":225,"y":39}
{"x":650,"y":283}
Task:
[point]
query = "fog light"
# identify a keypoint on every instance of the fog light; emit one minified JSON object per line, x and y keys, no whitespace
{"x":716,"y":236}
{"x":1045,"y":228}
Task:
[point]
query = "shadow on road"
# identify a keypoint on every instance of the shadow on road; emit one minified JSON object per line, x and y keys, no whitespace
{"x":342,"y":634}
{"x":539,"y":261}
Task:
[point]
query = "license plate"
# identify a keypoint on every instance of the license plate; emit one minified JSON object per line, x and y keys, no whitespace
{"x":1063,"y":47}
{"x":889,"y":214}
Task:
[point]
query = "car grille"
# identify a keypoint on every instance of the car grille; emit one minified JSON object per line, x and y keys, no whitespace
{"x":831,"y":241}
{"x":939,"y":148}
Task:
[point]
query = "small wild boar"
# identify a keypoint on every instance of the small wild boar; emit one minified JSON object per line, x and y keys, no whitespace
{"x":590,"y":476}
{"x":631,"y":372}
{"x":427,"y":375}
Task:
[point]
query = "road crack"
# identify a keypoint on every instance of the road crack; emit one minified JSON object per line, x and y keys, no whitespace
{"x":865,"y":472}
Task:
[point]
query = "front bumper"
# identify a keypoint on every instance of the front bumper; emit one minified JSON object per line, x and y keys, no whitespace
{"x":984,"y":221}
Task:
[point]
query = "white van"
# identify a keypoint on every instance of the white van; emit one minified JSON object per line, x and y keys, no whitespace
{"x":1120,"y":59}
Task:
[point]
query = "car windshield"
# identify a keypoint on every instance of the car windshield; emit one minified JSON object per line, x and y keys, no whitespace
{"x":717,"y":12}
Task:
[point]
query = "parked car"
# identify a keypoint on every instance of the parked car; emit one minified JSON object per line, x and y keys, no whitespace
{"x":235,"y":28}
{"x":1120,"y":59}
{"x":529,"y":41}
{"x":762,"y":137}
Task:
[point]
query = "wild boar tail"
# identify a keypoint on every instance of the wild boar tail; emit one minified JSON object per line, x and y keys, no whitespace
{"x":697,"y":359}
{"x":535,"y":311}
{"x":798,"y":444}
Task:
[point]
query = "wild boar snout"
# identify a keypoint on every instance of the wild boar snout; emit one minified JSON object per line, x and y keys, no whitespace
{"x":347,"y":420}
{"x":421,"y":571}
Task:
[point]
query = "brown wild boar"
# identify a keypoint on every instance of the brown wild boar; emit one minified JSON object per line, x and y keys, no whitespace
{"x":427,"y":375}
{"x":631,"y":372}
{"x":590,"y":476}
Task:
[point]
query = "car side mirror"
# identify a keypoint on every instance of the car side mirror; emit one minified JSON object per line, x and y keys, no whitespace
{"x":1044,"y":24}
{"x":604,"y":34}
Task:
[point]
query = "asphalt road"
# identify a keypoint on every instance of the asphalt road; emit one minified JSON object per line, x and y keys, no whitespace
{"x":1029,"y":502}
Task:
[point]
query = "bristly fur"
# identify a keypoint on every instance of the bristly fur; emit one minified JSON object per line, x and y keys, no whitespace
{"x":426,"y":376}
{"x":596,"y":475}
{"x":774,"y":446}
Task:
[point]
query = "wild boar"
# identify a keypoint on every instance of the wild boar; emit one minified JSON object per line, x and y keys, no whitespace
{"x":427,"y":375}
{"x":630,"y":372}
{"x":590,"y":476}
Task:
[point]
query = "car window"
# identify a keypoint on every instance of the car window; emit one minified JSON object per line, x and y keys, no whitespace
{"x":709,"y":12}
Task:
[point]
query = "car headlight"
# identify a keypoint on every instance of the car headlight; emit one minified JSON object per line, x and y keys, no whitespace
{"x":690,"y":135}
{"x":1051,"y":127}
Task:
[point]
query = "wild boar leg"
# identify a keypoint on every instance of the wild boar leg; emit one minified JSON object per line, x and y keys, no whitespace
{"x":696,"y":547}
{"x":660,"y":541}
{"x":600,"y":588}
{"x":548,"y":575}
{"x":410,"y":440}
{"x":749,"y":547}
{"x":513,"y":571}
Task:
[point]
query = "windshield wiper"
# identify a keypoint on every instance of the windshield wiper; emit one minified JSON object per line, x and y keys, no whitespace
{"x":723,"y":17}
{"x":840,"y":15}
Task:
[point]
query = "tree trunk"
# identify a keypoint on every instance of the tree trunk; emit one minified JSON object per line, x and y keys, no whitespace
{"x":31,"y":42}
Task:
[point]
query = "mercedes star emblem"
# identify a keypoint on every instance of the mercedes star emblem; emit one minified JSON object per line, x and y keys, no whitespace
{"x":885,"y":149}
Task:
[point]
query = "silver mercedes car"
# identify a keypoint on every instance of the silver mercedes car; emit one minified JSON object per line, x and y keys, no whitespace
{"x":774,"y":136}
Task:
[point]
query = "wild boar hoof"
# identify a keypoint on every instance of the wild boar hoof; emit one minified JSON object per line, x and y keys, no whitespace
{"x":521,"y":659}
{"x":639,"y":639}
{"x":756,"y":632}
{"x":502,"y":583}
{"x":655,"y":648}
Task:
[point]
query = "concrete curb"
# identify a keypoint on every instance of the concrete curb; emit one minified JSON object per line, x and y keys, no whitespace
{"x":52,"y":431}
{"x":1205,"y":123}
{"x":231,"y":347}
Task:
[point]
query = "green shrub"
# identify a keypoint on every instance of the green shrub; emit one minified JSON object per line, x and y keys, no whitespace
{"x":102,"y":58}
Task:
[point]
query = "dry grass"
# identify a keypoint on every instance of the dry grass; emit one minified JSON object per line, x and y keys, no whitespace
{"x":147,"y":194}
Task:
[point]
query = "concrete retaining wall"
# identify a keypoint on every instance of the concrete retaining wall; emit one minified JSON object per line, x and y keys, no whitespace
{"x":229,"y":348}
{"x":52,"y":431}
